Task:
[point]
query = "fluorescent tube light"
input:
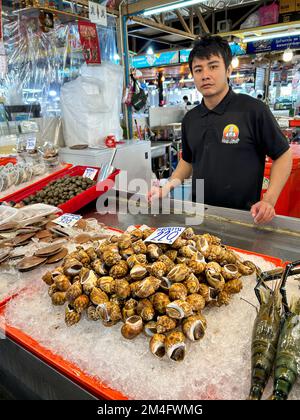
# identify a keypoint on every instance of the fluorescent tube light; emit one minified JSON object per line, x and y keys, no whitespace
{"x":171,"y":7}
{"x":270,"y":36}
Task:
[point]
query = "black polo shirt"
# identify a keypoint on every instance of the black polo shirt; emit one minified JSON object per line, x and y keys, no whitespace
{"x":227,"y":147}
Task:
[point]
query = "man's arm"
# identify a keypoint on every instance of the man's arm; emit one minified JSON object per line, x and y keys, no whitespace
{"x":263,"y":211}
{"x":182,"y":172}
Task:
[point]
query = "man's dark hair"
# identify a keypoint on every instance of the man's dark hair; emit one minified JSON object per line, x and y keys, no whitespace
{"x":185,"y":97}
{"x":208,"y":46}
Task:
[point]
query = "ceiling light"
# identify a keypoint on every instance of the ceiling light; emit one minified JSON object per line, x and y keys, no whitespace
{"x":173,"y":6}
{"x":287,"y":55}
{"x":150,"y":51}
{"x":235,"y":62}
{"x":52,"y":93}
{"x":270,"y":36}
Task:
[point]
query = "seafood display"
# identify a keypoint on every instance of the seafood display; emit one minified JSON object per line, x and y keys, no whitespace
{"x":276,"y":335}
{"x":156,"y":288}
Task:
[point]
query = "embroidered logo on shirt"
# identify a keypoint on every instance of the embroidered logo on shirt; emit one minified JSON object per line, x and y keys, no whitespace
{"x":231,"y":134}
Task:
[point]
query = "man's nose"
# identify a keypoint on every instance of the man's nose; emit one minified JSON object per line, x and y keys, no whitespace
{"x":205,"y":74}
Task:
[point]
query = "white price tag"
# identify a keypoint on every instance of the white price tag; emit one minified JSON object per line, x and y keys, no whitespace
{"x":90,"y":173}
{"x":165,"y":235}
{"x":67,"y":219}
{"x":31,"y":143}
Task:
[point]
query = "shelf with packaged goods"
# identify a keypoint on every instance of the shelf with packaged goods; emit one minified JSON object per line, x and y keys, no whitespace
{"x":277,"y":28}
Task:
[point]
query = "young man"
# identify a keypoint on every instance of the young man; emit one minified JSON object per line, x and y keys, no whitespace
{"x":226,"y":138}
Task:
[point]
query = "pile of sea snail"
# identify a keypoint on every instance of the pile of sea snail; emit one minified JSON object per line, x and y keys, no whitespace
{"x":159,"y":289}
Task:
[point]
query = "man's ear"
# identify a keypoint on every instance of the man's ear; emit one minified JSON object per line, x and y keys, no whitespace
{"x":229,"y":71}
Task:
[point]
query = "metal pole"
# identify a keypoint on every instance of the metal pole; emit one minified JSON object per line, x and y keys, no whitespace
{"x":127,"y":75}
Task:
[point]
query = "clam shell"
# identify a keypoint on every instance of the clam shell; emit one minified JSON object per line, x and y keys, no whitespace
{"x":42,"y":234}
{"x":22,"y":239}
{"x":57,"y":257}
{"x":48,"y":251}
{"x":82,"y":238}
{"x":59,"y":230}
{"x":3,"y":256}
{"x":8,"y":227}
{"x":30,"y":263}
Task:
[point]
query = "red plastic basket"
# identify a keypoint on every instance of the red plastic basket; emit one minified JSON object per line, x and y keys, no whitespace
{"x":77,"y":202}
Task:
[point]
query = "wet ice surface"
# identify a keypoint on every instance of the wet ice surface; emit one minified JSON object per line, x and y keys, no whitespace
{"x":217,"y":367}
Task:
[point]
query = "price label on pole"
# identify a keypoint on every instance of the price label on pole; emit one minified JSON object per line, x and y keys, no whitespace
{"x":67,"y":219}
{"x":90,"y":173}
{"x":31,"y":143}
{"x":165,"y":235}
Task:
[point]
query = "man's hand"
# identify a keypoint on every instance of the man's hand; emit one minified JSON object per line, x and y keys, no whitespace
{"x":262,"y":212}
{"x":155,"y":193}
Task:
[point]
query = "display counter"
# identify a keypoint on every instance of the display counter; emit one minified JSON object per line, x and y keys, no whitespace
{"x":27,"y":376}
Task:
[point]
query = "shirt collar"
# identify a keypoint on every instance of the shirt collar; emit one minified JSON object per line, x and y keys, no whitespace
{"x":220,"y":108}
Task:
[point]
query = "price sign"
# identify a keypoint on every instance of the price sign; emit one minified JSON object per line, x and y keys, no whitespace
{"x":67,"y":219}
{"x":31,"y":143}
{"x":90,"y":173}
{"x":165,"y":235}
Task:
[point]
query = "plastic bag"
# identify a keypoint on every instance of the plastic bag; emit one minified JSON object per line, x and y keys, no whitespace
{"x":139,"y":97}
{"x":91,"y":105}
{"x":268,"y":14}
{"x":252,"y":21}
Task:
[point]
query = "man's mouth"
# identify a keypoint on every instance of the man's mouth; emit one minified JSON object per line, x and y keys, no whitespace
{"x":206,"y":86}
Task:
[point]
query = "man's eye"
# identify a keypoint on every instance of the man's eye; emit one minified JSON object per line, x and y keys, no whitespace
{"x":213,"y":67}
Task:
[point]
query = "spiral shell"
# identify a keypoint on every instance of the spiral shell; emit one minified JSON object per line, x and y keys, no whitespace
{"x":203,"y":246}
{"x":215,"y":280}
{"x":158,"y":269}
{"x":97,"y":296}
{"x":164,"y":324}
{"x":214,"y":267}
{"x":175,"y":346}
{"x":81,"y":303}
{"x":107,"y":284}
{"x":157,"y":345}
{"x":165,"y":283}
{"x":136,"y":259}
{"x":179,"y":243}
{"x":110,"y":313}
{"x":230,"y":271}
{"x":204,"y":291}
{"x":52,"y":289}
{"x":91,"y":253}
{"x":47,"y":278}
{"x":194,"y":327}
{"x":167,"y":261}
{"x":124,"y":241}
{"x":178,"y":273}
{"x":136,"y":235}
{"x":179,"y":309}
{"x":147,"y":287}
{"x":245,"y":268}
{"x":99,"y":267}
{"x":153,"y":251}
{"x":145,"y":310}
{"x":102,"y":246}
{"x":129,"y":309}
{"x":196,"y":266}
{"x":82,"y":256}
{"x":212,"y":240}
{"x":58,"y":298}
{"x":71,"y":316}
{"x":178,"y":291}
{"x":74,"y":291}
{"x":233,"y":286}
{"x":192,"y":284}
{"x":223,"y":298}
{"x":196,"y":301}
{"x":133,"y":327}
{"x":139,"y":247}
{"x":150,"y":328}
{"x":62,"y":283}
{"x":88,"y":281}
{"x":147,"y":233}
{"x":122,"y":288}
{"x":119,"y":270}
{"x":111,"y":258}
{"x":187,"y":251}
{"x":72,"y":267}
{"x":188,"y":233}
{"x":92,"y":313}
{"x":160,"y":302}
{"x":138,"y":272}
{"x":172,"y":254}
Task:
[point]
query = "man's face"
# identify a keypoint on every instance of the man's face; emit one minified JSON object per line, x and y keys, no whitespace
{"x":210,"y":75}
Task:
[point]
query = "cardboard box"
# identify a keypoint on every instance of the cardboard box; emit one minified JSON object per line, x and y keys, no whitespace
{"x":287,"y":6}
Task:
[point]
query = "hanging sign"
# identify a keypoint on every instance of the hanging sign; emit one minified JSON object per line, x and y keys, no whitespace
{"x":89,"y":41}
{"x":277,"y":44}
{"x":97,"y":13}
